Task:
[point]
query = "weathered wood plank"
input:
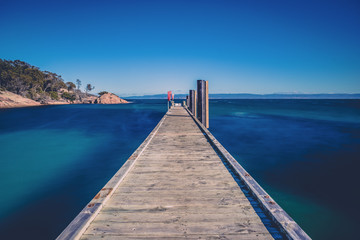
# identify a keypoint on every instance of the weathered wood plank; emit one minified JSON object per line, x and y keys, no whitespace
{"x":176,"y":227}
{"x":169,"y":217}
{"x":259,"y":236}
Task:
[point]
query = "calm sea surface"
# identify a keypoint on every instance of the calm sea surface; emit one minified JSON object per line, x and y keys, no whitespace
{"x":305,"y":153}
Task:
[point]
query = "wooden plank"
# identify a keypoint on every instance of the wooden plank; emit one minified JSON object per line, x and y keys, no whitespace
{"x":175,"y":228}
{"x":179,"y":201}
{"x":172,"y":237}
{"x":169,"y":217}
{"x":238,"y":210}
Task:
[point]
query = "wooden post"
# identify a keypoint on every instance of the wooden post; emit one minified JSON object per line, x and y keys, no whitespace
{"x":187,"y":101}
{"x":195,"y":104}
{"x":192,"y":102}
{"x":203,"y":102}
{"x":200,"y":93}
{"x":207,"y":105}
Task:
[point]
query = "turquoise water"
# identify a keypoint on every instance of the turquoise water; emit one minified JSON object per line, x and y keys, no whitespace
{"x":305,"y":153}
{"x":55,"y":159}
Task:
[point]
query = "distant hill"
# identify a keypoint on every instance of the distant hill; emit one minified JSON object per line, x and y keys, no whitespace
{"x":259,"y":96}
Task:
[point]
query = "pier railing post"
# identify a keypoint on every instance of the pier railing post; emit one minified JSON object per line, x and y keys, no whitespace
{"x":192,"y":102}
{"x":207,"y":104}
{"x":203,"y":102}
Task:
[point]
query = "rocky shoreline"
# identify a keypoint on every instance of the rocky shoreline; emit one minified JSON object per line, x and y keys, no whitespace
{"x":12,"y":100}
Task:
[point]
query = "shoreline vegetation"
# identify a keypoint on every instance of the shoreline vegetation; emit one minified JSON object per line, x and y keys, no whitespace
{"x":24,"y":85}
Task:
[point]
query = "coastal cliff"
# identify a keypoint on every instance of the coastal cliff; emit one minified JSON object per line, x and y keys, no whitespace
{"x":11,"y":100}
{"x":22,"y":84}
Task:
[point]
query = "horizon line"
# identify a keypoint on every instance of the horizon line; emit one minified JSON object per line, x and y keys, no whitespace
{"x":244,"y":93}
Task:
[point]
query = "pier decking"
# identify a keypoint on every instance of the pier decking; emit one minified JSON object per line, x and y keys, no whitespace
{"x":175,"y":186}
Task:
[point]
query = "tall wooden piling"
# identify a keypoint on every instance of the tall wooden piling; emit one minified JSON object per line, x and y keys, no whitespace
{"x":193,"y":102}
{"x":187,"y":101}
{"x":203,"y":102}
{"x":190,"y":102}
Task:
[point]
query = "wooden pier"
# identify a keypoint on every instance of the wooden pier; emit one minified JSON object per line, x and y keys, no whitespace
{"x":176,"y":186}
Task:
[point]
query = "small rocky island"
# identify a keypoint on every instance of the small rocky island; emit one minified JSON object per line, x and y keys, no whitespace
{"x":109,"y":98}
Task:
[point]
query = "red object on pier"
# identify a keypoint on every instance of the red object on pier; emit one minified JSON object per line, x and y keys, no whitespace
{"x":169,"y":95}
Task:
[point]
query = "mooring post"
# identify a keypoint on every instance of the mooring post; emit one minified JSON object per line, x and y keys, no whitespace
{"x":192,"y":102}
{"x":203,"y":102}
{"x":187,"y":100}
{"x":207,"y":104}
{"x":195,"y":104}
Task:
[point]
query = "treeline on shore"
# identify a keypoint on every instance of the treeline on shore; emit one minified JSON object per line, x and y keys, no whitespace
{"x":42,"y":86}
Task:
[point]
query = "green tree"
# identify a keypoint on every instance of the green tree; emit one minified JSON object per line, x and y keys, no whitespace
{"x":102,"y":93}
{"x":68,"y":96}
{"x":29,"y":81}
{"x":70,"y":86}
{"x":89,"y":88}
{"x":78,"y":83}
{"x":54,"y":95}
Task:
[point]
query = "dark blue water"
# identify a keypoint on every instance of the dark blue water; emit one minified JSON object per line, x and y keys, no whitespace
{"x":305,"y":153}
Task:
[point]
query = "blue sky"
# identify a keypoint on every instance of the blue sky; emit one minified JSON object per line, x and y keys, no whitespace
{"x":148,"y":47}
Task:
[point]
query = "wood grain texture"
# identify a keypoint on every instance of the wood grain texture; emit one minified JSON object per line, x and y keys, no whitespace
{"x":177,"y":188}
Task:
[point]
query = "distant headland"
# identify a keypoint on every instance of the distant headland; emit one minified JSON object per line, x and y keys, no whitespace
{"x":260,"y":96}
{"x":24,"y":85}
